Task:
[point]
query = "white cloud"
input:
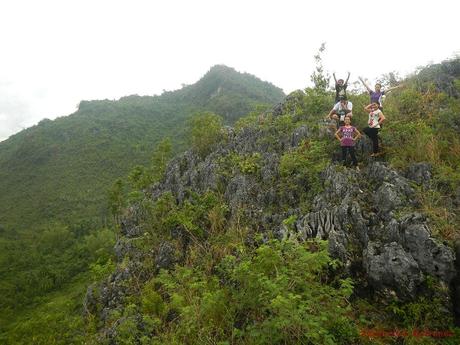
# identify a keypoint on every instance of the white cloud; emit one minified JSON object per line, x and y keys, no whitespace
{"x":56,"y":53}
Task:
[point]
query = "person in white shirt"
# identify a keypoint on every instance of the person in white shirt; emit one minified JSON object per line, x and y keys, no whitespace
{"x":340,"y":109}
{"x":376,"y":118}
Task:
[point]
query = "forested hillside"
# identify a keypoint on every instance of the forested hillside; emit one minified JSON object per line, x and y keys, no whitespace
{"x":264,"y":237}
{"x":257,"y":234}
{"x":61,"y":169}
{"x":56,"y":228}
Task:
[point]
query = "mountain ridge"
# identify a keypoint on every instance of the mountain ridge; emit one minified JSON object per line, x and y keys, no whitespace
{"x":199,"y":256}
{"x":214,"y":250}
{"x":103,"y":139}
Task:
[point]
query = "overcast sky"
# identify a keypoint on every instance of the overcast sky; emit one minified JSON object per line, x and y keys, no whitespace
{"x":56,"y":53}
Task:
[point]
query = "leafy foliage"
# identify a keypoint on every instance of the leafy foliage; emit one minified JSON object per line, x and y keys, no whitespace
{"x":247,"y":164}
{"x":303,"y":166}
{"x":236,"y":287}
{"x":143,"y":176}
{"x":54,"y":319}
{"x":55,"y":177}
{"x":60,"y":170}
{"x":231,"y":285}
{"x":35,"y":265}
{"x":319,"y":78}
{"x":275,"y":294}
{"x":205,"y":132}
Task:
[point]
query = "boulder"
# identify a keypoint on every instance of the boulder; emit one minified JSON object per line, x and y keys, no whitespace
{"x":389,"y":266}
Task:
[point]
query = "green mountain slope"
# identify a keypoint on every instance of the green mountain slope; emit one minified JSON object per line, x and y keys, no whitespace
{"x":228,"y":247}
{"x":61,"y":169}
{"x":226,"y":282}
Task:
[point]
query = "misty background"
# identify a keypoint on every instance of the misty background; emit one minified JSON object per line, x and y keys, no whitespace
{"x":57,"y":53}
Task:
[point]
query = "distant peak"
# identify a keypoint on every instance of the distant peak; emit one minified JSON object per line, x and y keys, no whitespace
{"x":217,"y":68}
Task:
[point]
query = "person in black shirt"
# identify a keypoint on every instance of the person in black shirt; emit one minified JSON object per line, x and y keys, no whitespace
{"x":340,"y":87}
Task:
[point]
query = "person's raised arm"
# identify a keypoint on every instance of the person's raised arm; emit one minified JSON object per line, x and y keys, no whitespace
{"x":393,"y":88}
{"x":348,"y":77}
{"x":368,"y":108}
{"x":365,"y":85}
{"x":333,"y":74}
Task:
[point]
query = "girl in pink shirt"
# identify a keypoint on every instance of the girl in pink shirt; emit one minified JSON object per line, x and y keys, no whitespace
{"x":347,"y":135}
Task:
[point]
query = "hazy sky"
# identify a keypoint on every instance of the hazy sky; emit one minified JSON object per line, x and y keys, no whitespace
{"x":56,"y":53}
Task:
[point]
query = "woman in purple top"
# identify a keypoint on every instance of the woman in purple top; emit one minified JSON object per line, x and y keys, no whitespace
{"x":376,"y":96}
{"x":349,"y":135}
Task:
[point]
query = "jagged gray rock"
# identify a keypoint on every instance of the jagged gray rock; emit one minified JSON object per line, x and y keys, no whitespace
{"x":433,"y":258}
{"x":290,"y":102}
{"x":298,"y":135}
{"x":91,"y":299}
{"x":239,"y":191}
{"x":356,"y":212}
{"x":270,"y":168}
{"x":387,"y":198}
{"x":130,"y":222}
{"x":367,"y":216}
{"x":390,"y":266}
{"x":122,"y":247}
{"x":338,"y":244}
{"x":165,"y":258}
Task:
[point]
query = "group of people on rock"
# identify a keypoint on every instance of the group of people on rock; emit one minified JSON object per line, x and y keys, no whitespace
{"x":342,"y":112}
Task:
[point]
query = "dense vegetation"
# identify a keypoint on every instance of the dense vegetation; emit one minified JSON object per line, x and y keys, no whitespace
{"x":60,"y":170}
{"x":58,"y":182}
{"x":235,"y":285}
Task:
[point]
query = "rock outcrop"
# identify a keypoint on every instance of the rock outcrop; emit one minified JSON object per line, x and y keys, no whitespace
{"x":369,"y":217}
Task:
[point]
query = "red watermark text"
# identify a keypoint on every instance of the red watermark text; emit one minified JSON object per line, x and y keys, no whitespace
{"x":418,"y":333}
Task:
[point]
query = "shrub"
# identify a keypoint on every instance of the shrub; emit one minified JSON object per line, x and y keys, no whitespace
{"x":275,"y":294}
{"x":413,"y":141}
{"x":204,"y":132}
{"x":305,"y":163}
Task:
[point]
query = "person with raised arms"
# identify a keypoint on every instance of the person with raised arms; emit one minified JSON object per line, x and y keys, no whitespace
{"x":340,"y":87}
{"x":377,"y":94}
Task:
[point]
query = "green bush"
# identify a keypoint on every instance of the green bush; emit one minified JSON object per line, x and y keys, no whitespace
{"x":410,"y":142}
{"x":275,"y":294}
{"x":247,"y":164}
{"x":305,"y":163}
{"x":205,"y":131}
